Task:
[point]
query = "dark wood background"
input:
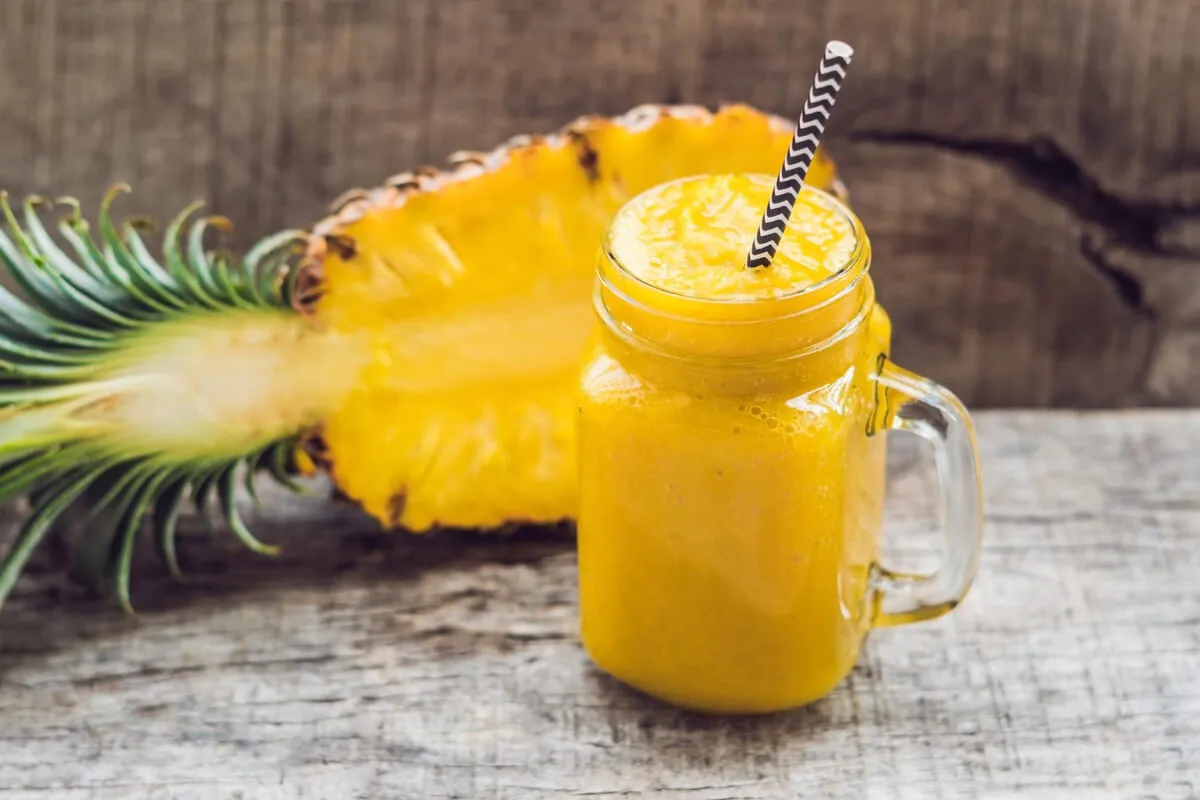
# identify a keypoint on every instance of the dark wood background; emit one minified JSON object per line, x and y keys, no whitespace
{"x":1029,"y":171}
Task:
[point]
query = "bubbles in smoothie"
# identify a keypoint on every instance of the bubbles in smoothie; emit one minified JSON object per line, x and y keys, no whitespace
{"x":605,"y":380}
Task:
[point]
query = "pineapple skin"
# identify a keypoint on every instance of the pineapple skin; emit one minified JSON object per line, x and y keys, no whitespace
{"x":471,"y":289}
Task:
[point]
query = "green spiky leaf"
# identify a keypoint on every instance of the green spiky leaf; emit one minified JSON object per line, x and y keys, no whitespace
{"x":89,"y":308}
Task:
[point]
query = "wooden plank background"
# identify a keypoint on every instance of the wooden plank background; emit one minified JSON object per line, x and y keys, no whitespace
{"x":360,"y":664}
{"x":1030,"y":171}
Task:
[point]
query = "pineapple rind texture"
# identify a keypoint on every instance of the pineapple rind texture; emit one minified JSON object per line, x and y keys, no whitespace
{"x":474,"y":288}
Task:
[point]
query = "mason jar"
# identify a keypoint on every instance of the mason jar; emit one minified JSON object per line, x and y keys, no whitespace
{"x":732,"y":469}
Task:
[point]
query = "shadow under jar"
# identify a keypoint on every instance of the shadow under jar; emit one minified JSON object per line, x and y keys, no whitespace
{"x":732,"y":472}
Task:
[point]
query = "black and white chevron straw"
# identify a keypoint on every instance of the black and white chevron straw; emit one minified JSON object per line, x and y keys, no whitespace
{"x":800,"y":154}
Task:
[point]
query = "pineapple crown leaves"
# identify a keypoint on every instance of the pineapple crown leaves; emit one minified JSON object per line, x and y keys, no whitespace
{"x":79,"y":306}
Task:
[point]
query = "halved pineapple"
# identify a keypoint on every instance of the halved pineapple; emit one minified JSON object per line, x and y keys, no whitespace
{"x":473,"y":288}
{"x":432,"y":369}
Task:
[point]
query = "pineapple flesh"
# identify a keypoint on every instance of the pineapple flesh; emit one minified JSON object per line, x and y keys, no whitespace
{"x":421,"y":344}
{"x":475,"y":289}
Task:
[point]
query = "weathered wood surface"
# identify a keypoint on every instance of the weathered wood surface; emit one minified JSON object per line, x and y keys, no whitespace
{"x":365,"y":665}
{"x":1028,"y":169}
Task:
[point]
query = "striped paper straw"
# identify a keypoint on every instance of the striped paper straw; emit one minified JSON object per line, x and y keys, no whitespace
{"x":800,"y":154}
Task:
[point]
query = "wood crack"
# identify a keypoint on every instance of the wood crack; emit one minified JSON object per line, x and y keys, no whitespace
{"x":1042,"y":165}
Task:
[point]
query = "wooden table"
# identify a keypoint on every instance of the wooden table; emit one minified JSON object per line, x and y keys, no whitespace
{"x":361,"y":665}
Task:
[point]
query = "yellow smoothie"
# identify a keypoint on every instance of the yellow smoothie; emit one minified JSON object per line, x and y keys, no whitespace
{"x":690,"y":238}
{"x":731,"y":478}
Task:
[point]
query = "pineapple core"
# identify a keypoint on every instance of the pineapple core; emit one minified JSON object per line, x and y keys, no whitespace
{"x":214,"y":385}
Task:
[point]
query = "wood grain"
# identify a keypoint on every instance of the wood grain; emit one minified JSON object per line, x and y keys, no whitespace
{"x":1028,"y":170}
{"x":368,"y":665}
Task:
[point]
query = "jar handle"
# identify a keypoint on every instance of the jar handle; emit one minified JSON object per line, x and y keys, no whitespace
{"x":908,"y":402}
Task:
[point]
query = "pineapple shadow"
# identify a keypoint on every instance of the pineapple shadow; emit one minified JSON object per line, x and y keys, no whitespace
{"x":323,"y":544}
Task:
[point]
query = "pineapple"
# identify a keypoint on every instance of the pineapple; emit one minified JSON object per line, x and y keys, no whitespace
{"x":420,"y":344}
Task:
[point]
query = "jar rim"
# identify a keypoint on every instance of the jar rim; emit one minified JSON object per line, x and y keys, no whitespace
{"x":855,"y":261}
{"x":784,"y":356}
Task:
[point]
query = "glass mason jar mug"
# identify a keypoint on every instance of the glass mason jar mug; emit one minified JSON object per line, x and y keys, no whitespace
{"x":732,"y":469}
